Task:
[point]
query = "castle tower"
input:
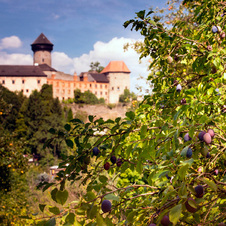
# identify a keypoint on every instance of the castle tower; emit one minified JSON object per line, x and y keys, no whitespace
{"x":118,"y":76}
{"x":42,"y":48}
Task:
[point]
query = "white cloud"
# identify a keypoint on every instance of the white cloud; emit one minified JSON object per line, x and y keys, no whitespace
{"x":10,"y":42}
{"x":104,"y":53}
{"x":16,"y":59}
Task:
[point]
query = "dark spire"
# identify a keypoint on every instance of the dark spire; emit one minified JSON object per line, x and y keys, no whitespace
{"x":42,"y":43}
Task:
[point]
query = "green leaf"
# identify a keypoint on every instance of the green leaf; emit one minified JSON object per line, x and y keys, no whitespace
{"x":69,"y":143}
{"x":89,"y":196}
{"x":174,"y":214}
{"x":103,"y":179}
{"x":130,"y":115}
{"x":112,"y":197}
{"x":182,"y":171}
{"x":91,"y":213}
{"x":42,"y":207}
{"x":67,"y":127}
{"x":91,"y":117}
{"x":100,"y":220}
{"x":61,"y":196}
{"x":51,"y":222}
{"x":143,"y":131}
{"x":52,"y":131}
{"x":55,"y":210}
{"x":70,"y":218}
{"x":53,"y":194}
{"x":47,"y":186}
{"x":210,"y":183}
{"x":184,"y":151}
{"x":141,"y":14}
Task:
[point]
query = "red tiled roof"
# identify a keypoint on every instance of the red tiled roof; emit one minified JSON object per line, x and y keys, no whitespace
{"x":116,"y":66}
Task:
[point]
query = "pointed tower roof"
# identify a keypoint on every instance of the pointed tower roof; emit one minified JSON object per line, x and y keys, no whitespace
{"x":42,"y":43}
{"x":42,"y":40}
{"x":116,"y":66}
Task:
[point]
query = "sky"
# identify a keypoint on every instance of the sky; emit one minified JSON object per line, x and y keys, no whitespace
{"x":82,"y":31}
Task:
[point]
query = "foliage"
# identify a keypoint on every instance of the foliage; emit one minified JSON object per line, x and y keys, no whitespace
{"x":127,"y":96}
{"x":96,"y":66}
{"x":151,"y":141}
{"x":38,"y":114}
{"x":86,"y":98}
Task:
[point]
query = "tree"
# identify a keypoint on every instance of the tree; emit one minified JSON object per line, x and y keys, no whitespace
{"x":127,"y":96}
{"x":96,"y":67}
{"x":175,"y":140}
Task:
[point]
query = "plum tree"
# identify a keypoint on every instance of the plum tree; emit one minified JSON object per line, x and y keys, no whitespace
{"x":149,"y":142}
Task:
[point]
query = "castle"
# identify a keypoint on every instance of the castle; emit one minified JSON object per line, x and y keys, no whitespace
{"x":108,"y":84}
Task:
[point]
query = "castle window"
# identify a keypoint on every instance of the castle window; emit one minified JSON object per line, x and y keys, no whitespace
{"x":126,"y":87}
{"x":101,"y":86}
{"x":90,"y":85}
{"x":23,"y":81}
{"x":57,"y":90}
{"x":57,"y":84}
{"x":96,"y":86}
{"x":69,"y":84}
{"x":43,"y":60}
{"x":27,"y":90}
{"x":74,"y":84}
{"x":39,"y":81}
{"x":69,"y":91}
{"x":101,"y":93}
{"x":96,"y":93}
{"x":118,"y":88}
{"x":63,"y":91}
{"x":13,"y":81}
{"x":3,"y":81}
{"x":112,"y":88}
{"x":106,"y":86}
{"x":63,"y":84}
{"x":106,"y":93}
{"x":47,"y":82}
{"x":63,"y":98}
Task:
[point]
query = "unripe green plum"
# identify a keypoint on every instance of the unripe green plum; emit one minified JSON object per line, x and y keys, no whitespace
{"x":204,"y":150}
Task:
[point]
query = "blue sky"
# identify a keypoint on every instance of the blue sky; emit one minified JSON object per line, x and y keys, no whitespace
{"x":82,"y":31}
